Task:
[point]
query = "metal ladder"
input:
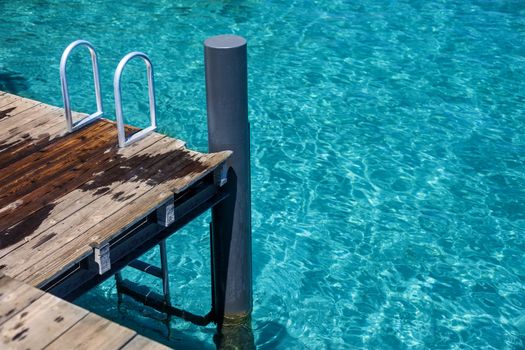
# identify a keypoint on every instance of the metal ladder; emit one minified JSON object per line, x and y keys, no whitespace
{"x":71,"y":125}
{"x":125,"y":287}
{"x":165,"y":214}
{"x":123,"y":141}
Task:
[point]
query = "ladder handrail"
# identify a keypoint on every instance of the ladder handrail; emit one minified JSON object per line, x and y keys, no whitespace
{"x":123,"y":141}
{"x":72,"y":126}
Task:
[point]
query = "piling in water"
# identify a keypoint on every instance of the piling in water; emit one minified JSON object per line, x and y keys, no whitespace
{"x":229,"y":129}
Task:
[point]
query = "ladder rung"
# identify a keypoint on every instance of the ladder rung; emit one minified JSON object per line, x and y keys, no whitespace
{"x":147,"y":268}
{"x":154,"y":300}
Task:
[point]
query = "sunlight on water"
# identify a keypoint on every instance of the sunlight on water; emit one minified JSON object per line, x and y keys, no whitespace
{"x":388,"y":158}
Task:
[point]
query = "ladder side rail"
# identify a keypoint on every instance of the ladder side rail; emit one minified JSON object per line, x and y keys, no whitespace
{"x":72,"y":126}
{"x":122,"y":139}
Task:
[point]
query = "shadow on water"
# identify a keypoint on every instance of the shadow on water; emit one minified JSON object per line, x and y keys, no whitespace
{"x":13,"y":82}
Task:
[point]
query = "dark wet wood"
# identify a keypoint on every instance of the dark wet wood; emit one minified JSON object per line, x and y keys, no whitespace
{"x":134,"y":205}
{"x":37,"y":224}
{"x":32,"y":319}
{"x":31,"y":135}
{"x":46,"y":167}
{"x":61,"y":193}
{"x":64,"y":149}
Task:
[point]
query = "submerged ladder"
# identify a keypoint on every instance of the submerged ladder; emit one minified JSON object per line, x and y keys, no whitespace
{"x":165,"y":214}
{"x":126,"y":287}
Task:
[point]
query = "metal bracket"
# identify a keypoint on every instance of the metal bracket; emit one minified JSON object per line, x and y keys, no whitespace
{"x":221,"y":174}
{"x":166,"y":214}
{"x":124,"y":141}
{"x":72,"y":126}
{"x":102,"y":258}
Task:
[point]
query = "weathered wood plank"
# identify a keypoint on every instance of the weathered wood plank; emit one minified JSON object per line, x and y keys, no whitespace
{"x":8,"y":93}
{"x":58,"y":169}
{"x":53,"y":170}
{"x":32,"y":136}
{"x":80,"y":189}
{"x":14,"y":297}
{"x":61,"y":148}
{"x":141,"y":343}
{"x":39,"y":323}
{"x":8,"y":99}
{"x":19,"y":202}
{"x":32,"y":319}
{"x":123,"y":183}
{"x":28,"y":136}
{"x":117,"y":179}
{"x":32,"y":122}
{"x":66,"y":146}
{"x":21,"y":112}
{"x":9,"y":111}
{"x":13,"y":97}
{"x":37,"y":224}
{"x":93,"y":332}
{"x":107,"y":226}
{"x":18,"y":118}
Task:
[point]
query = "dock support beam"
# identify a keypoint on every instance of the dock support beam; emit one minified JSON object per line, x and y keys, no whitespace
{"x":225,"y":59}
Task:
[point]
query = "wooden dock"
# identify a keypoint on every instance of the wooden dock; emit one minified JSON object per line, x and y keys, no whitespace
{"x":33,"y":319}
{"x":75,"y":208}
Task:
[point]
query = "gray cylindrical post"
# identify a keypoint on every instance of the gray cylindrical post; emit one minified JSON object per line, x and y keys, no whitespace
{"x":228,"y":129}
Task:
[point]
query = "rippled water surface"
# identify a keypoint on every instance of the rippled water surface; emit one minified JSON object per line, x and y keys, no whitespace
{"x":388,"y":158}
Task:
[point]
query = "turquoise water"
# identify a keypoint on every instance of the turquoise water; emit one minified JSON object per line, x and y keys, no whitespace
{"x":388,"y":159}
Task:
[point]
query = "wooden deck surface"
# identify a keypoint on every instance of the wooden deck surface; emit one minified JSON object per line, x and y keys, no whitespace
{"x":61,"y":194}
{"x":33,"y":319}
